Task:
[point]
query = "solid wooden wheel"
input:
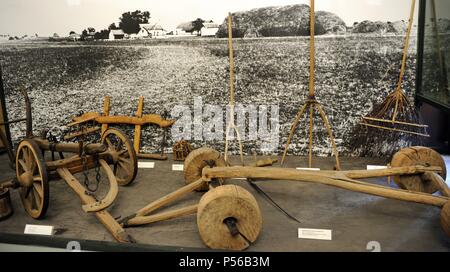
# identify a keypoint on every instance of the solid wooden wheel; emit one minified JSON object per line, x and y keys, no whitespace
{"x":224,"y":203}
{"x":417,"y":155}
{"x":197,"y":160}
{"x":32,"y":176}
{"x":445,"y":218}
{"x":125,"y":164}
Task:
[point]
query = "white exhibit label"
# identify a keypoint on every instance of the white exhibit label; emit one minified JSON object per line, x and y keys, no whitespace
{"x":146,"y":164}
{"x":375,"y":167}
{"x":311,"y":169}
{"x":317,"y":234}
{"x":38,"y":230}
{"x":177,"y":167}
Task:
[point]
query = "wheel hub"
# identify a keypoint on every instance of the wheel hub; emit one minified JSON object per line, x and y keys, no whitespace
{"x":26,"y":179}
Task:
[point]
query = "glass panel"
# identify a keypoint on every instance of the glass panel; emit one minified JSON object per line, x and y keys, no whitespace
{"x":436,"y":53}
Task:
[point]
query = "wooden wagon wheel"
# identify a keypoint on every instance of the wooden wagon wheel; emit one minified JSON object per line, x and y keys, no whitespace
{"x":228,"y":217}
{"x":417,"y":155}
{"x":197,"y":160}
{"x":32,"y":176}
{"x":125,"y":165}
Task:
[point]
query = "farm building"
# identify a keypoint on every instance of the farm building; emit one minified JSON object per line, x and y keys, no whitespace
{"x":151,"y":31}
{"x":116,"y":34}
{"x":4,"y":37}
{"x":209,"y":29}
{"x":184,"y":29}
{"x":74,"y":37}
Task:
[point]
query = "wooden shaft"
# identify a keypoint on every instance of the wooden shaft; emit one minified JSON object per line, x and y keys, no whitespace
{"x":152,"y":156}
{"x":406,"y":46}
{"x":438,"y":181}
{"x":311,"y":49}
{"x":106,"y":109}
{"x":336,"y":180}
{"x":70,"y":147}
{"x":170,"y":197}
{"x":138,"y":128}
{"x":76,"y":162}
{"x":375,"y":173}
{"x":141,"y":220}
{"x":311,"y":124}
{"x":107,"y":220}
{"x":291,"y":133}
{"x":231,"y":56}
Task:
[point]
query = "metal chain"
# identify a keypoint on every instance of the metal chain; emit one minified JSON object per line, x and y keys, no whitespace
{"x":86,"y":181}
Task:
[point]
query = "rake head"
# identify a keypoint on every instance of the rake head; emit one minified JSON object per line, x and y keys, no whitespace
{"x":399,"y":121}
{"x":396,"y":114}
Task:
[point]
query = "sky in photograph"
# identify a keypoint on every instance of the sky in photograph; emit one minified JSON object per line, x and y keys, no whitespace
{"x":45,"y":17}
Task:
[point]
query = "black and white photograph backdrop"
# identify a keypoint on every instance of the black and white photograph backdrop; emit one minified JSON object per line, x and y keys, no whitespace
{"x":70,"y":54}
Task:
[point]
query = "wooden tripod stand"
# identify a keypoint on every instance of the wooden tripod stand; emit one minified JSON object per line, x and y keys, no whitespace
{"x":312,"y":103}
{"x":231,"y":124}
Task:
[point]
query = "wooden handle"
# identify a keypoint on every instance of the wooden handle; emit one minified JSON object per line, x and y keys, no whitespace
{"x":170,"y":197}
{"x":311,"y":49}
{"x":406,"y":47}
{"x":231,"y":56}
{"x":141,"y":220}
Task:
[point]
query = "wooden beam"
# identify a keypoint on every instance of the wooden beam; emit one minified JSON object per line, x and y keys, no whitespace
{"x":141,"y":220}
{"x":170,"y":197}
{"x":335,"y":179}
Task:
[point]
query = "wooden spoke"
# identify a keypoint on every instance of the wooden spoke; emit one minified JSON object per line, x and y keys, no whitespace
{"x":38,"y":189}
{"x":119,"y":144}
{"x":23,"y":165}
{"x":110,"y":145}
{"x":36,"y":198}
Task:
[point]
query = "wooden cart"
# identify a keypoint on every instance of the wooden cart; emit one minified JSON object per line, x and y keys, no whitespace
{"x":228,"y":216}
{"x":114,"y":156}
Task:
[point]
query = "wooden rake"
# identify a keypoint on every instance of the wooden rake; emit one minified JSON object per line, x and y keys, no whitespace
{"x":231,"y":123}
{"x":396,"y":113}
{"x":312,"y":103}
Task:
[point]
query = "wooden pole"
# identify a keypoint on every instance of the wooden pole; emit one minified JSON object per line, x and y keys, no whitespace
{"x":311,"y":49}
{"x":335,"y":179}
{"x":231,"y":124}
{"x":231,"y":56}
{"x":141,"y":220}
{"x":406,"y":46}
{"x":170,"y":197}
